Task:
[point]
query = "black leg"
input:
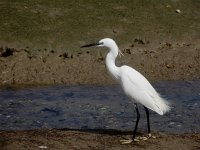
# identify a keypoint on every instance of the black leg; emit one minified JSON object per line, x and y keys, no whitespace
{"x":148,"y":123}
{"x":137,"y":121}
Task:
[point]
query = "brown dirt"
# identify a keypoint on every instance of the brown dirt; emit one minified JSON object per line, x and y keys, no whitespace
{"x":161,"y":61}
{"x":66,"y":139}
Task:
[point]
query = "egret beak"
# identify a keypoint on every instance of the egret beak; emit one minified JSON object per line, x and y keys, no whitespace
{"x":90,"y":45}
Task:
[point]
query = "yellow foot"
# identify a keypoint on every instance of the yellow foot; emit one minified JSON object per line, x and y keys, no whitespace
{"x":151,"y":136}
{"x":137,"y":139}
{"x":144,"y":138}
{"x":128,"y":141}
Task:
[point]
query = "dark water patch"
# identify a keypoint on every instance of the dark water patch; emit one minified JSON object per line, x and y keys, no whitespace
{"x":98,"y":107}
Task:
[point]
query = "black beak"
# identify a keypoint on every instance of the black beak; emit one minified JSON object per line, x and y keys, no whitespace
{"x":90,"y":45}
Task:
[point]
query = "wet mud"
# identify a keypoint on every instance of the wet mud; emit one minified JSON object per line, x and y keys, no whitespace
{"x":161,"y":61}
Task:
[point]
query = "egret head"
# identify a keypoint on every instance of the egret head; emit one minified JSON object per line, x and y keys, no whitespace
{"x":107,"y":42}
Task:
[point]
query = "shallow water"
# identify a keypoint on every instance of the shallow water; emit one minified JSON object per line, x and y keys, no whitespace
{"x":98,"y":107}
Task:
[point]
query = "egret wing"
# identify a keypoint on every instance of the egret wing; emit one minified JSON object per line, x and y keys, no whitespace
{"x":137,"y":87}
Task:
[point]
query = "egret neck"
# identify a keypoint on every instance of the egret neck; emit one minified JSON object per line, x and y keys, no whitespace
{"x":134,"y":84}
{"x":110,"y":62}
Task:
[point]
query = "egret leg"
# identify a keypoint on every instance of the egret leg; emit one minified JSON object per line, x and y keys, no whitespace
{"x":137,"y":121}
{"x":135,"y":130}
{"x":148,"y":122}
{"x":148,"y":125}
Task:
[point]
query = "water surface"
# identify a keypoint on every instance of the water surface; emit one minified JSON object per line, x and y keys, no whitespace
{"x":98,"y":107}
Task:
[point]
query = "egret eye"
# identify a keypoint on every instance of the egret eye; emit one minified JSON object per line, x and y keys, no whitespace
{"x":101,"y":43}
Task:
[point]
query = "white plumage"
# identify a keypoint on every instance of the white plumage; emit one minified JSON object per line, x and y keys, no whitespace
{"x":134,"y":84}
{"x":138,"y":89}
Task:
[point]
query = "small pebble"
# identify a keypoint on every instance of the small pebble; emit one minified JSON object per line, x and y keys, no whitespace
{"x":42,"y":147}
{"x":178,"y":11}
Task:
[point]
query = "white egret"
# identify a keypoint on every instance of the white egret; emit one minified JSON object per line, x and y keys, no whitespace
{"x":134,"y":84}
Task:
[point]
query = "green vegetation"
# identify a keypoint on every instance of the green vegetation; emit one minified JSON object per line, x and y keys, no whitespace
{"x":66,"y":24}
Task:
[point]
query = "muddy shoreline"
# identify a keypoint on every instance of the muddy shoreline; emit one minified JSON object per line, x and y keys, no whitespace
{"x":163,"y":61}
{"x":92,"y":139}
